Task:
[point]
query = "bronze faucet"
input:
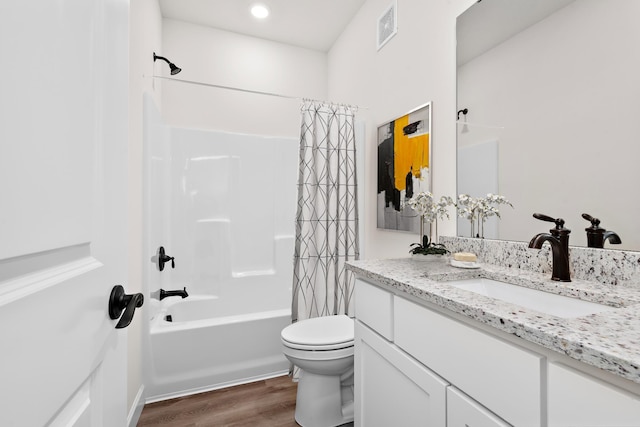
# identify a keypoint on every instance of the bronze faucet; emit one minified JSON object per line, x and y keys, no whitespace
{"x":596,"y":235}
{"x":558,"y":238}
{"x":179,"y":293}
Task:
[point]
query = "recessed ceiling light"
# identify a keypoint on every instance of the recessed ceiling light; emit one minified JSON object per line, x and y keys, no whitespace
{"x":260,"y":11}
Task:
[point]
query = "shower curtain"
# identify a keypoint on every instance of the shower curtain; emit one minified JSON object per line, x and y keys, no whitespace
{"x":327,"y":213}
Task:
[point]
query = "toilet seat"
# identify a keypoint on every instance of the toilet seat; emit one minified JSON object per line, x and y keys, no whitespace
{"x":320,"y":333}
{"x":296,"y":355}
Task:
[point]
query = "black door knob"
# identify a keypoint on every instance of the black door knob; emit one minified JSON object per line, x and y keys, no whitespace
{"x":119,"y":302}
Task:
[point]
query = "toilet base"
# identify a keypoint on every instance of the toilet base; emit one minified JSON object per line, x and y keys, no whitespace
{"x":319,"y":402}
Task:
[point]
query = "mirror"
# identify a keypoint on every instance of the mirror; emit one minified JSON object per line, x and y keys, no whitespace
{"x":552,"y":90}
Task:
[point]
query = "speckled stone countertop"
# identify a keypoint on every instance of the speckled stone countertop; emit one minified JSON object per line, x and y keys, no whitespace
{"x":609,"y":340}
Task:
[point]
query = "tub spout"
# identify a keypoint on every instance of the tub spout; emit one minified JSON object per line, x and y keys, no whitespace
{"x":179,"y":293}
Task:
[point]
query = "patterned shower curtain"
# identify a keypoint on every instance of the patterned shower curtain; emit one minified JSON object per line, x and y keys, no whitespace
{"x":327,"y":215}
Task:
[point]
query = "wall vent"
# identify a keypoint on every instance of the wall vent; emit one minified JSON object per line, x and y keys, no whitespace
{"x":387,"y":25}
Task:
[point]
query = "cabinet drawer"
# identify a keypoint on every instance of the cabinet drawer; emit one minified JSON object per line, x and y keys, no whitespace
{"x":499,"y":375}
{"x":463,"y":411}
{"x":374,"y":307}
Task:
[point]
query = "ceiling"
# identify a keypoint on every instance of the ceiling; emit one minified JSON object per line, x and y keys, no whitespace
{"x":311,"y":24}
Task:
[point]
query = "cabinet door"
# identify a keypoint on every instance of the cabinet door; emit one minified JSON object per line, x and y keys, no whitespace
{"x":577,"y":399}
{"x":462,"y":411}
{"x":391,"y":388}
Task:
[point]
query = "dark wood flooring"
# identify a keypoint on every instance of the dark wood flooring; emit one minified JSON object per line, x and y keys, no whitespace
{"x":267,"y":403}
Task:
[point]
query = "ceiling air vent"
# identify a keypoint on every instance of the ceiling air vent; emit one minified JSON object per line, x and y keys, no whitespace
{"x":387,"y":25}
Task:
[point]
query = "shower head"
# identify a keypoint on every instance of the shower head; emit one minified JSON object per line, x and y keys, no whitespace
{"x":174,"y":69}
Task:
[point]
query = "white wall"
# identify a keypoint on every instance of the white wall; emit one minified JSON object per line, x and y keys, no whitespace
{"x":223,"y":58}
{"x":567,"y":146}
{"x":145,"y":38}
{"x":415,"y":66}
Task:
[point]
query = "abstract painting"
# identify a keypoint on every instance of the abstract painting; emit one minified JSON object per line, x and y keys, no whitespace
{"x":404,"y":167}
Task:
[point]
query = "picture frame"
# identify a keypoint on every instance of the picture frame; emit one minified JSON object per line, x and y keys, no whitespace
{"x":404,"y":167}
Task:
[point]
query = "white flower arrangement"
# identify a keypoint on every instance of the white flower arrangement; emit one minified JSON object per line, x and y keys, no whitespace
{"x":425,"y":206}
{"x":487,"y":205}
{"x":480,"y":208}
{"x":468,"y":207}
{"x":429,"y":211}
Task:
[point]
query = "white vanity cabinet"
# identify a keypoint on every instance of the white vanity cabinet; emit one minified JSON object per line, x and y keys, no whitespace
{"x":579,"y":399}
{"x":419,"y":365}
{"x":392,"y":388}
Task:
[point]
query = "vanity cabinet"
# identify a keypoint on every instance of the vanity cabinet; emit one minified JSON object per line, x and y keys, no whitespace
{"x":419,"y":365}
{"x":392,"y":387}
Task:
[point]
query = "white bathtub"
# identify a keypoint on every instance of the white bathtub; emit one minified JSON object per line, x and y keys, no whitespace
{"x":211,"y":344}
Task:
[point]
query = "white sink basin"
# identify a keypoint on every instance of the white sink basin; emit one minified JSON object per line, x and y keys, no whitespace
{"x":545,"y":302}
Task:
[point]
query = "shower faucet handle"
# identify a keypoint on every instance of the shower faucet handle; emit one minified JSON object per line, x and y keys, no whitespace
{"x":163,"y":258}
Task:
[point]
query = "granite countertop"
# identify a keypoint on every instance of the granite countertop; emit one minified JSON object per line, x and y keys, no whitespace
{"x":608,"y":340}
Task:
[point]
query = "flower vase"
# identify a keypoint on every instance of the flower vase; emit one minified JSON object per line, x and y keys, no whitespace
{"x":433,"y":231}
{"x":430,"y":257}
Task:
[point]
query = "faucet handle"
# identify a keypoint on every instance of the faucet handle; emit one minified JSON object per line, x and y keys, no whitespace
{"x":558,"y":221}
{"x":595,"y":222}
{"x":163,"y":258}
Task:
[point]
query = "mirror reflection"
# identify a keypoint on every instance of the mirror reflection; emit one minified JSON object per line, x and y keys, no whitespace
{"x":551,"y":90}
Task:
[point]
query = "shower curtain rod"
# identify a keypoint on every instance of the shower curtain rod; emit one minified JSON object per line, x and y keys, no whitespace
{"x":254,"y":91}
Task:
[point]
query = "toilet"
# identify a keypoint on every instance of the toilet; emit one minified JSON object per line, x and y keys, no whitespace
{"x":322,"y":348}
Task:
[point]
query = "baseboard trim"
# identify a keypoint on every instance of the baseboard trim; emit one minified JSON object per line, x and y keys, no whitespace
{"x":136,"y":408}
{"x":189,"y":392}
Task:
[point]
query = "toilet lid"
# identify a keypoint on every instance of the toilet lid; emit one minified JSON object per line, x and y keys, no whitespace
{"x":329,"y":332}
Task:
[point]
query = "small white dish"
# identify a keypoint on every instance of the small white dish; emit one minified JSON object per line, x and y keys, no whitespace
{"x":464,"y":264}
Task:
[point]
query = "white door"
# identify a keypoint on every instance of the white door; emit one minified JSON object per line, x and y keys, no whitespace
{"x":63,"y":154}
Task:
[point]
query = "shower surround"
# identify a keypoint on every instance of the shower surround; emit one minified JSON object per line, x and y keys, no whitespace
{"x":223,"y":205}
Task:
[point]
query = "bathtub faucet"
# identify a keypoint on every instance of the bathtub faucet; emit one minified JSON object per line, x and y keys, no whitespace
{"x":179,"y":293}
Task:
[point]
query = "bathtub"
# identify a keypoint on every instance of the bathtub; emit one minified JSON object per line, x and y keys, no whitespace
{"x":195,"y":352}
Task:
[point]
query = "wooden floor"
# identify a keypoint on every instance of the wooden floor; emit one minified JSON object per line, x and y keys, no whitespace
{"x":267,"y":403}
